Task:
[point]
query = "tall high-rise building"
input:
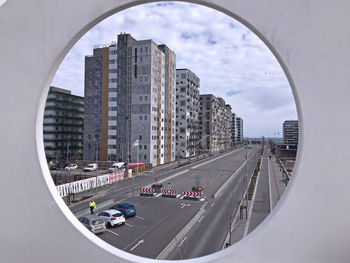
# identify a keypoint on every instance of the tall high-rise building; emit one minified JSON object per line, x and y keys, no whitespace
{"x":290,"y":132}
{"x":100,"y":101}
{"x":146,"y":101}
{"x":239,"y":127}
{"x":214,"y":124}
{"x":233,"y":129}
{"x":228,"y":127}
{"x":63,"y":125}
{"x":187,"y":107}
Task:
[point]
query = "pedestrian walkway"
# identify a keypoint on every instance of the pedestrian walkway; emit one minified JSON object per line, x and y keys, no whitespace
{"x":270,"y":188}
{"x":268,"y":191}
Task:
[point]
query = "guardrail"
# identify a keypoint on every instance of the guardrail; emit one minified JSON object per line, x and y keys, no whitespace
{"x":285,"y":174}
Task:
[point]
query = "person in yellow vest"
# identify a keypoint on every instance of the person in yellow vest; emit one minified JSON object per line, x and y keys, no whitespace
{"x":92,"y":206}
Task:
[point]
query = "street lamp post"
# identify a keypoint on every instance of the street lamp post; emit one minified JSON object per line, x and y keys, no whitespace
{"x":246,"y":181}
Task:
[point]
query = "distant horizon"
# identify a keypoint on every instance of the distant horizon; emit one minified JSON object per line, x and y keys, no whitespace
{"x":230,"y":60}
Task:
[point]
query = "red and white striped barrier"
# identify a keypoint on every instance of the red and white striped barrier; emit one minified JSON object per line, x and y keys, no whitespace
{"x":207,"y":196}
{"x":146,"y":190}
{"x":169,"y":191}
{"x":191,"y":194}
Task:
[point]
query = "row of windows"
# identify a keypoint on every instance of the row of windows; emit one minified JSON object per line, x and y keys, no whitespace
{"x":143,"y":118}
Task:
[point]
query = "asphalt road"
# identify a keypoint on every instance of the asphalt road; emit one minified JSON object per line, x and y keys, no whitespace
{"x":159,"y":220}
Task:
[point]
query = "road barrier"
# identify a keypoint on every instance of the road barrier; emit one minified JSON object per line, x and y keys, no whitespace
{"x":191,"y":195}
{"x":91,"y":183}
{"x":169,"y":193}
{"x":146,"y":191}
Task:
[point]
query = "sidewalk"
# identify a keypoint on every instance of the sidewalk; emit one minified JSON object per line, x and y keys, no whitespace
{"x":268,"y":191}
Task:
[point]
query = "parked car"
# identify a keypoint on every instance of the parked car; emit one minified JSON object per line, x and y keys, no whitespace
{"x":94,"y":223}
{"x":56,"y":166}
{"x":112,"y":217}
{"x":90,"y":167}
{"x":116,"y":166}
{"x":126,"y":209}
{"x":71,"y":166}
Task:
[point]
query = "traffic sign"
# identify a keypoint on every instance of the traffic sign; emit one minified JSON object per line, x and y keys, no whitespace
{"x":207,"y":182}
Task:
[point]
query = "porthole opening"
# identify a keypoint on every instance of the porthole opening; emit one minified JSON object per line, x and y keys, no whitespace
{"x":182,"y":132}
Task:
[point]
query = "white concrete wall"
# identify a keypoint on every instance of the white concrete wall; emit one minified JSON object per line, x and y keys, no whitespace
{"x":310,"y":38}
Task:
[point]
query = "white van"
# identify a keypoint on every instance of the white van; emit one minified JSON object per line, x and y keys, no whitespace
{"x":116,"y":166}
{"x":90,"y":167}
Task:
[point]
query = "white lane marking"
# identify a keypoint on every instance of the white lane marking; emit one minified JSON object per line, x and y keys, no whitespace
{"x":200,"y":219}
{"x":183,"y":205}
{"x":177,"y":196}
{"x":139,"y":217}
{"x":168,"y":178}
{"x":198,"y":165}
{"x":138,"y":243}
{"x":202,"y":199}
{"x":128,"y":224}
{"x":157,"y":195}
{"x":212,"y":204}
{"x":112,"y":232}
{"x":182,"y":241}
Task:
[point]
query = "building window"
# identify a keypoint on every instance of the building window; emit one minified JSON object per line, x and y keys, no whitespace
{"x":145,"y":157}
{"x":140,"y":118}
{"x":145,"y":117}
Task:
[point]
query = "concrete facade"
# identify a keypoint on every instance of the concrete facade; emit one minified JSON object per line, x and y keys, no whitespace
{"x":187,"y":109}
{"x":239,"y":129}
{"x":233,"y":129}
{"x":215,"y":121}
{"x":96,"y":81}
{"x":298,"y":33}
{"x":290,"y":132}
{"x":63,"y":125}
{"x":146,"y":101}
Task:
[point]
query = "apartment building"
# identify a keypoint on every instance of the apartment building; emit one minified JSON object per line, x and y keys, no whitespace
{"x":233,"y":129}
{"x":239,"y":127}
{"x":96,"y":110}
{"x":187,"y":109}
{"x":228,"y":128}
{"x":290,"y":132}
{"x":146,"y":101}
{"x":214,"y":124}
{"x":63,"y":125}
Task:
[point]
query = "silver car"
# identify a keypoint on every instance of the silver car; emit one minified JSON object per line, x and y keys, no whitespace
{"x":94,"y":223}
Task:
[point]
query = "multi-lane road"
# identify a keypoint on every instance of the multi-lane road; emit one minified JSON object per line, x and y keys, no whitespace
{"x":175,"y":228}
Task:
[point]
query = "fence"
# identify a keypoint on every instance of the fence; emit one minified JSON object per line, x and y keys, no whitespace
{"x":90,"y":183}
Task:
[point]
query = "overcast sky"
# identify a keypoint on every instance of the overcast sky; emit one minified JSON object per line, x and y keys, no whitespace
{"x":230,"y":60}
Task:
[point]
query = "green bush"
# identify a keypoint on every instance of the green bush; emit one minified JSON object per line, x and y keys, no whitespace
{"x":157,"y":185}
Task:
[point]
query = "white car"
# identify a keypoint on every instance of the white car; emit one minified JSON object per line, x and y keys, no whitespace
{"x":90,"y":167}
{"x":112,"y":217}
{"x":116,"y":166}
{"x":71,"y":166}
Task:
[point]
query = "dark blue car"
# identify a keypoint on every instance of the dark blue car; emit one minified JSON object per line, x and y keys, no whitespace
{"x":126,"y":209}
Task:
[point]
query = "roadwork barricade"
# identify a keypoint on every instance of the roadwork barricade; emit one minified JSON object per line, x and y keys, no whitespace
{"x":169,"y":193}
{"x":146,"y":191}
{"x":188,"y":195}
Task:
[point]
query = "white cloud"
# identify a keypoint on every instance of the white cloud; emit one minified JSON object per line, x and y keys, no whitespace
{"x":230,"y":60}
